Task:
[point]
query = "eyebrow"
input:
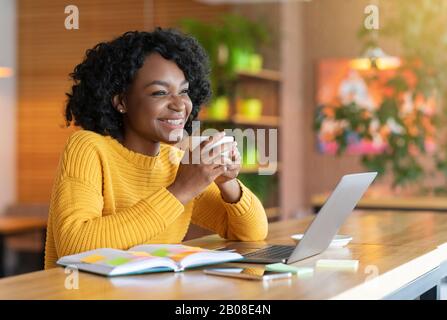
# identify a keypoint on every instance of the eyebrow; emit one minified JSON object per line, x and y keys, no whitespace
{"x":163,"y":83}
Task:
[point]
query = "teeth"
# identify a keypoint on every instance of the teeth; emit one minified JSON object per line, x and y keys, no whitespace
{"x":175,"y":122}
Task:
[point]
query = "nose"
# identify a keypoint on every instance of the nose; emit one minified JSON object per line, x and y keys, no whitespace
{"x":176,"y":103}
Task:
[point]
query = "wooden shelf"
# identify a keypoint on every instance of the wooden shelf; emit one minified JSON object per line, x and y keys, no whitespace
{"x":254,"y":169}
{"x":263,"y":121}
{"x":264,"y":74}
{"x":269,"y":121}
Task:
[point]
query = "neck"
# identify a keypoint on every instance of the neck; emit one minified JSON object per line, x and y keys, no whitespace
{"x":136,"y":143}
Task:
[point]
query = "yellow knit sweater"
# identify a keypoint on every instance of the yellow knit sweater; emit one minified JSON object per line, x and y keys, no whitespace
{"x":107,"y":196}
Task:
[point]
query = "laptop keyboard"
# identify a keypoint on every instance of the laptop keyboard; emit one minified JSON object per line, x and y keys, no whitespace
{"x":271,"y":252}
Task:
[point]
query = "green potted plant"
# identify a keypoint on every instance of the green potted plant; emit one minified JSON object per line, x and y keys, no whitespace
{"x":231,"y":42}
{"x":252,"y":108}
{"x":421,"y":30}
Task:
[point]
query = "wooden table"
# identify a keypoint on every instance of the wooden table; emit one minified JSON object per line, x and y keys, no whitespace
{"x":400,"y":249}
{"x":10,"y":226}
{"x":389,"y":202}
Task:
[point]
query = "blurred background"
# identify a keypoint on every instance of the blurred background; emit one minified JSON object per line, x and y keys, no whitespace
{"x":350,"y":85}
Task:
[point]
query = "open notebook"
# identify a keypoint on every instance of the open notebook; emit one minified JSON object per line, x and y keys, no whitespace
{"x":145,"y":259}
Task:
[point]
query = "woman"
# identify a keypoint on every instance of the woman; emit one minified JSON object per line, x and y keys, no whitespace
{"x":116,"y":186}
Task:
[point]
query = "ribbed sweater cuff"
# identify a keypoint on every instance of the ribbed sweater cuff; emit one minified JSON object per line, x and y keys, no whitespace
{"x":244,"y":204}
{"x":166,"y":204}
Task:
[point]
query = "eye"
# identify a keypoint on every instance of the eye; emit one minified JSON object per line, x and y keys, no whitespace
{"x":184,"y":91}
{"x":159,"y":93}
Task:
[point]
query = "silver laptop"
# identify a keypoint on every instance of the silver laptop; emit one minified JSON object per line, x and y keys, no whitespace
{"x":324,"y":227}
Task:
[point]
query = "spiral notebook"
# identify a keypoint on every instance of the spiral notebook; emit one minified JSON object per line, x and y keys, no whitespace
{"x":146,"y":259}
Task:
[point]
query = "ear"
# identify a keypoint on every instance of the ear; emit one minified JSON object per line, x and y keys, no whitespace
{"x":119,"y":104}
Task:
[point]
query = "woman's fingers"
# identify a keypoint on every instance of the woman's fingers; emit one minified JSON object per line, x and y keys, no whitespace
{"x":236,"y":155}
{"x":213,"y":139}
{"x":223,"y":159}
{"x":218,"y":171}
{"x":232,"y":167}
{"x":217,"y":154}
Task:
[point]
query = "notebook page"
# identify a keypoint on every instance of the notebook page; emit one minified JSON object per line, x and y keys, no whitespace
{"x":209,"y":257}
{"x":116,"y":262}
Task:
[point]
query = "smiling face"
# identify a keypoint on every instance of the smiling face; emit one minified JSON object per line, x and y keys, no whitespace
{"x":156,"y":106}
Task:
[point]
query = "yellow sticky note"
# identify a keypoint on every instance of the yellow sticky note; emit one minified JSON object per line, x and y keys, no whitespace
{"x":348,"y":265}
{"x":192,"y":249}
{"x":92,"y":258}
{"x":140,"y":253}
{"x":181,"y":255}
{"x":281,"y":267}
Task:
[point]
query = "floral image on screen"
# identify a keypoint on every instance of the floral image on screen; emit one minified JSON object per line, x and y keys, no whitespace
{"x":358,"y":110}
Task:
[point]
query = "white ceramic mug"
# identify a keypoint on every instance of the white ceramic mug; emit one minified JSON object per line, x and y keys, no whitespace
{"x":197,"y":140}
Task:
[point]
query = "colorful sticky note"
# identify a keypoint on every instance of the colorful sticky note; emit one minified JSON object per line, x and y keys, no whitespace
{"x":253,"y":271}
{"x":92,"y":258}
{"x":117,"y":261}
{"x":183,"y":248}
{"x":140,"y":253}
{"x":281,"y":267}
{"x":181,"y":255}
{"x":348,"y":265}
{"x":196,"y":249}
{"x":162,"y":252}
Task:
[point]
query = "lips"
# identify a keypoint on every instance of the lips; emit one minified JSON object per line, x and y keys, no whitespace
{"x":173,"y":123}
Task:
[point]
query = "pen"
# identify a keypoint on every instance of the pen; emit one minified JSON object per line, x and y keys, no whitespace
{"x":227,"y":250}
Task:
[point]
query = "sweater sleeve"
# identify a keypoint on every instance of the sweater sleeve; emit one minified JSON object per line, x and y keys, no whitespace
{"x":244,"y":220}
{"x":77,"y":203}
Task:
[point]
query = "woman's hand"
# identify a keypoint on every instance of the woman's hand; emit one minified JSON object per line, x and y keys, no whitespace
{"x":232,"y":166}
{"x":193,"y":178}
{"x":230,"y":189}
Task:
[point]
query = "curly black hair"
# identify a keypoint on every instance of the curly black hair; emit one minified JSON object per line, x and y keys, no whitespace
{"x":109,"y":68}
